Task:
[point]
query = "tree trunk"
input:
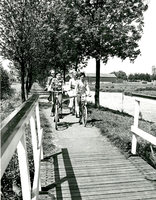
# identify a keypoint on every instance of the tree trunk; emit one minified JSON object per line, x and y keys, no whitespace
{"x":76,"y":66}
{"x":64,"y":72}
{"x":97,"y":85}
{"x":22,"y":83}
{"x":30,"y":81}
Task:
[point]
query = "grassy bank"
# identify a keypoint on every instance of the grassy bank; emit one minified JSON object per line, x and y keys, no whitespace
{"x":116,"y":127}
{"x":12,"y":102}
{"x":49,"y":147}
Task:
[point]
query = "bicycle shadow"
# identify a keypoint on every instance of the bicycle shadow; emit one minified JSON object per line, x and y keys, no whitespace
{"x":65,"y":125}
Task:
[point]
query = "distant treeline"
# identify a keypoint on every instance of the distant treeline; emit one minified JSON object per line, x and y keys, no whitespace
{"x":142,"y":77}
{"x":135,"y":77}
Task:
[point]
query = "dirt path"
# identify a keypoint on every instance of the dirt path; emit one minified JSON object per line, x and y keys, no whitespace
{"x":72,"y":135}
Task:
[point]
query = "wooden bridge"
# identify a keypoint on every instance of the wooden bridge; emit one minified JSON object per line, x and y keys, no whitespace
{"x":85,"y":166}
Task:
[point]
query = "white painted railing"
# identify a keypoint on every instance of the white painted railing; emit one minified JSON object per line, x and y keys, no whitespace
{"x":137,"y":131}
{"x":13,"y":137}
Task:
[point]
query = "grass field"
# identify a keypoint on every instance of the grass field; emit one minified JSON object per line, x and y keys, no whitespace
{"x":128,"y":88}
{"x":116,"y":126}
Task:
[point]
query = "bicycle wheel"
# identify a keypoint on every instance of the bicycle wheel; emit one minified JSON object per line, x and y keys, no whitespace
{"x":80,"y":118}
{"x":84,"y":115}
{"x":56,"y":118}
{"x":80,"y":112}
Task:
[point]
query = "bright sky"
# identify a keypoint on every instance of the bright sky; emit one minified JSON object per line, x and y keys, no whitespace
{"x":144,"y":63}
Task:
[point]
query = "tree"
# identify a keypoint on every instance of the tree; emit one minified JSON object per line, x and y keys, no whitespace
{"x":39,"y":35}
{"x":120,"y":74}
{"x":140,"y":77}
{"x":147,"y":77}
{"x":17,"y":34}
{"x":24,"y":38}
{"x":153,"y":77}
{"x":5,"y":84}
{"x":68,"y":50}
{"x":110,"y":28}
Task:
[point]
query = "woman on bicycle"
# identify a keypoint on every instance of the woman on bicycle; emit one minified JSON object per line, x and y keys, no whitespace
{"x":71,"y":92}
{"x":82,"y":88}
{"x":48,"y":85}
{"x":57,"y":86}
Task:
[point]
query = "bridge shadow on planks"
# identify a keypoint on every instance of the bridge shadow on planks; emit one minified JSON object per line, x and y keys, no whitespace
{"x":70,"y":177}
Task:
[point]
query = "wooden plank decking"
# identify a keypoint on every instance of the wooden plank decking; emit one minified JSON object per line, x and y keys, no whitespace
{"x":88,"y":167}
{"x":89,"y":173}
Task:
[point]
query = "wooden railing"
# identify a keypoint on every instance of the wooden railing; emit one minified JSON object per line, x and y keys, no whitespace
{"x":13,"y":137}
{"x":137,"y":131}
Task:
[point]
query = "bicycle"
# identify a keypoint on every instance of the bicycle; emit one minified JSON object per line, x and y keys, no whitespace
{"x":57,"y":106}
{"x":74,"y":106}
{"x":83,"y":110}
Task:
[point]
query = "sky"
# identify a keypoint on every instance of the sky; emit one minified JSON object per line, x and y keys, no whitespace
{"x":147,"y":44}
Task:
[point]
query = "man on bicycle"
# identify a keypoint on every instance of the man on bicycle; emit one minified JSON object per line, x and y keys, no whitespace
{"x":82,"y":89}
{"x":57,"y":87}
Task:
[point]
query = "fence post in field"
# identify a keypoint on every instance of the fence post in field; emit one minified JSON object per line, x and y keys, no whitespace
{"x":136,"y":120}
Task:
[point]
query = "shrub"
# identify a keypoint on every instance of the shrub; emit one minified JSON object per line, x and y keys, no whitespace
{"x":5,"y":83}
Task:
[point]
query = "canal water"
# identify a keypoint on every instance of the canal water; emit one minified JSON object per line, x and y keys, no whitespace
{"x":117,"y":101}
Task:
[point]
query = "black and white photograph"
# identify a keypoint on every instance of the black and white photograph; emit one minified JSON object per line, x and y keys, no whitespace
{"x":78,"y":99}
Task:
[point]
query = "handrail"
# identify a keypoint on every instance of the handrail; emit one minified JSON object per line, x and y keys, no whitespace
{"x":144,"y":96}
{"x":13,"y":137}
{"x":137,"y":131}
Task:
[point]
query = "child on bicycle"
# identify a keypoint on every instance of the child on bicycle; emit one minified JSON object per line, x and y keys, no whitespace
{"x":57,"y":86}
{"x":71,"y":92}
{"x":82,"y":89}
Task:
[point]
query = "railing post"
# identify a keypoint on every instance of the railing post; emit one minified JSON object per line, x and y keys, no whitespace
{"x":33,"y":135}
{"x":24,"y":169}
{"x":13,"y":137}
{"x":34,"y":143}
{"x":39,"y":127}
{"x":136,"y":121}
{"x":38,"y":118}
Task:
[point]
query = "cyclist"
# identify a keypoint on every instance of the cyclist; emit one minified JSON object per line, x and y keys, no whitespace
{"x":72,"y":87}
{"x":57,"y":85}
{"x":82,"y":88}
{"x":48,"y":85}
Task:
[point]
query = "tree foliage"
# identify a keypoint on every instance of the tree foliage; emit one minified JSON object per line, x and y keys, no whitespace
{"x":140,"y":77}
{"x":120,"y":74}
{"x":39,"y":35}
{"x":17,"y":34}
{"x":153,"y":77}
{"x":110,"y":28}
{"x":5,"y":84}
